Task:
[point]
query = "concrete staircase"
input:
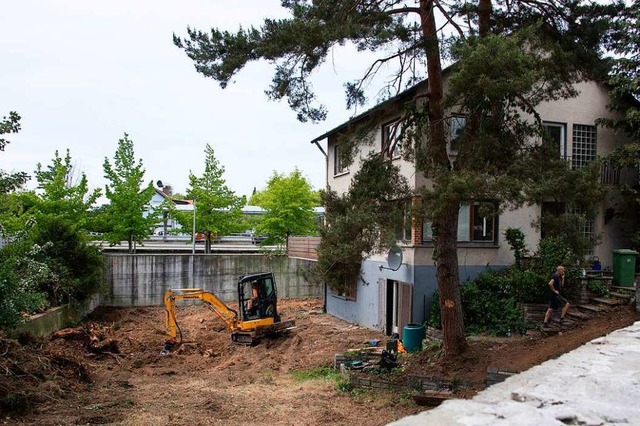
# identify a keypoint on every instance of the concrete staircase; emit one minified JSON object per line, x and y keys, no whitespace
{"x":579,"y":313}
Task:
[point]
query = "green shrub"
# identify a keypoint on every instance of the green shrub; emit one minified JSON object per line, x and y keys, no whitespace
{"x":555,"y":251}
{"x":488,"y":310}
{"x":526,"y":286}
{"x":597,"y":288}
{"x":516,"y":239}
{"x":20,"y":275}
{"x":79,"y":265}
{"x":51,"y":264}
{"x":488,"y":306}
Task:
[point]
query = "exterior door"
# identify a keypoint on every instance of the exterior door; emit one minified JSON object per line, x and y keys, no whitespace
{"x":398,"y":300}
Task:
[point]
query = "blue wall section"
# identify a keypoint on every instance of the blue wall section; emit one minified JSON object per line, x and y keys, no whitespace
{"x":365,"y":310}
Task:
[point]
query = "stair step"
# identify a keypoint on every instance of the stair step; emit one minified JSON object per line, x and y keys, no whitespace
{"x":604,"y":301}
{"x":579,"y":315}
{"x":621,"y":296}
{"x":592,"y":308}
{"x":625,"y":290}
{"x":556,"y":327}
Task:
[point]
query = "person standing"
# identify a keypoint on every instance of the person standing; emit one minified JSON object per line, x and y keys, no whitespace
{"x":556,"y":301}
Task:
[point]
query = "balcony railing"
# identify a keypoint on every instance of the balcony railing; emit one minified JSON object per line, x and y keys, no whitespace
{"x":609,"y":172}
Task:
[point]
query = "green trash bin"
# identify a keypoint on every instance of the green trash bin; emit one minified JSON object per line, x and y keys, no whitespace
{"x":624,"y":267}
{"x":412,"y":337}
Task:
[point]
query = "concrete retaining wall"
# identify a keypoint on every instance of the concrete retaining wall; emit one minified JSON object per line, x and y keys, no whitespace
{"x":57,"y":318}
{"x":141,"y":279}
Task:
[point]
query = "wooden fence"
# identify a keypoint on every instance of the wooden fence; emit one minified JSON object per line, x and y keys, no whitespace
{"x":303,"y":247}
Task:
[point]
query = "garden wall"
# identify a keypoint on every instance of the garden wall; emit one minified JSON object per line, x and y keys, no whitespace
{"x":141,"y":279}
{"x":57,"y":318}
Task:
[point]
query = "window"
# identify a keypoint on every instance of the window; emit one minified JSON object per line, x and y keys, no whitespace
{"x":392,"y":139}
{"x":556,"y":134}
{"x":588,"y":225}
{"x":477,"y":222}
{"x":483,"y":221}
{"x":456,"y":129}
{"x":267,"y":287}
{"x":552,"y":211}
{"x":584,"y":145}
{"x":339,"y":167}
{"x":402,"y":221}
{"x":350,"y":290}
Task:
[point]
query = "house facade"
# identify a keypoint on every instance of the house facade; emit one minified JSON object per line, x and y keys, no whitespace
{"x":386,"y":299}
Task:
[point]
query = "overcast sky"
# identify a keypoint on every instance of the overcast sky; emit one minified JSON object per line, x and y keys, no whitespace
{"x":81,"y":73}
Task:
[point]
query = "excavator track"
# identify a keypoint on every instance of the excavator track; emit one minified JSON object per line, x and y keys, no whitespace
{"x":249,"y":338}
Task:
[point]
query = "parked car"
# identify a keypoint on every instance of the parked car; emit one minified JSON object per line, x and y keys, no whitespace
{"x":257,"y":239}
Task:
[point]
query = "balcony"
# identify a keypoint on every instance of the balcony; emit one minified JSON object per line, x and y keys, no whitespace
{"x":609,"y":171}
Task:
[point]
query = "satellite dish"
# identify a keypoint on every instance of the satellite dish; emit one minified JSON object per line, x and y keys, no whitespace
{"x":159,"y":184}
{"x":394,"y":259}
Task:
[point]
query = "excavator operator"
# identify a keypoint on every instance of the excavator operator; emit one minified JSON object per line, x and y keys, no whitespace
{"x":252,"y":304}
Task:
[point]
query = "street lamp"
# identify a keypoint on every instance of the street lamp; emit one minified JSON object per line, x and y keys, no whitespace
{"x":193,"y":249}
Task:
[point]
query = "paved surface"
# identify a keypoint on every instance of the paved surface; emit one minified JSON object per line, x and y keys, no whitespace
{"x":596,"y":384}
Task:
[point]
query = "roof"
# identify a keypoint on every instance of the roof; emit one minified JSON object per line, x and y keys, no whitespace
{"x":254,"y":276}
{"x":405,"y":93}
{"x":173,"y":200}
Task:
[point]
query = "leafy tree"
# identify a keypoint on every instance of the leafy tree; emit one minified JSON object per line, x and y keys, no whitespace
{"x":624,"y":80}
{"x":10,"y":181}
{"x":218,"y":209}
{"x":509,"y":57}
{"x":9,"y":124}
{"x":128,"y":197}
{"x":57,"y":196}
{"x":61,"y":196}
{"x":288,"y":201}
{"x":97,"y":220}
{"x":48,"y":260}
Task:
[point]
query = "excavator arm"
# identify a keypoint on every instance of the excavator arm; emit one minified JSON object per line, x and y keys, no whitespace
{"x":228,"y":315}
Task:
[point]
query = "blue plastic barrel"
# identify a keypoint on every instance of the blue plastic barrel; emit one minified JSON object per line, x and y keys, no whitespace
{"x":412,"y":337}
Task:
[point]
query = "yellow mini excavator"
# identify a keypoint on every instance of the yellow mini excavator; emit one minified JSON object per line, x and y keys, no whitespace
{"x":257,"y":313}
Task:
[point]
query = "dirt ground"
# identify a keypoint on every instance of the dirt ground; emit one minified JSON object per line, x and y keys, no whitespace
{"x":213,"y":381}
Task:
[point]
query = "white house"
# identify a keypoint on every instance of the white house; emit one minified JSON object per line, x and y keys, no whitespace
{"x":387,"y":300}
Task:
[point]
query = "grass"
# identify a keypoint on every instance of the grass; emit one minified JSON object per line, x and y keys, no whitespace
{"x":327,"y":374}
{"x":317,"y":373}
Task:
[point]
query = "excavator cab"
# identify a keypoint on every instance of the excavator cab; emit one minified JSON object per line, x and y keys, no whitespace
{"x":258,"y":297}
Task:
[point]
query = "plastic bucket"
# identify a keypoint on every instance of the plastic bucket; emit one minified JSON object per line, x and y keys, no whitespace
{"x":412,"y":337}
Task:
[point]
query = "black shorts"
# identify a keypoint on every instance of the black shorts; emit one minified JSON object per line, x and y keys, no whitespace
{"x":556,"y":302}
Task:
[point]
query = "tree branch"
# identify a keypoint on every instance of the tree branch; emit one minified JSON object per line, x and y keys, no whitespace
{"x":450,"y":19}
{"x":403,"y":10}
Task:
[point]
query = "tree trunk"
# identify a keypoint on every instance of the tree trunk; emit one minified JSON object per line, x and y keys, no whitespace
{"x":165,"y":219}
{"x":447,"y":221}
{"x":449,"y":282}
{"x":207,"y":242}
{"x":484,"y":13}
